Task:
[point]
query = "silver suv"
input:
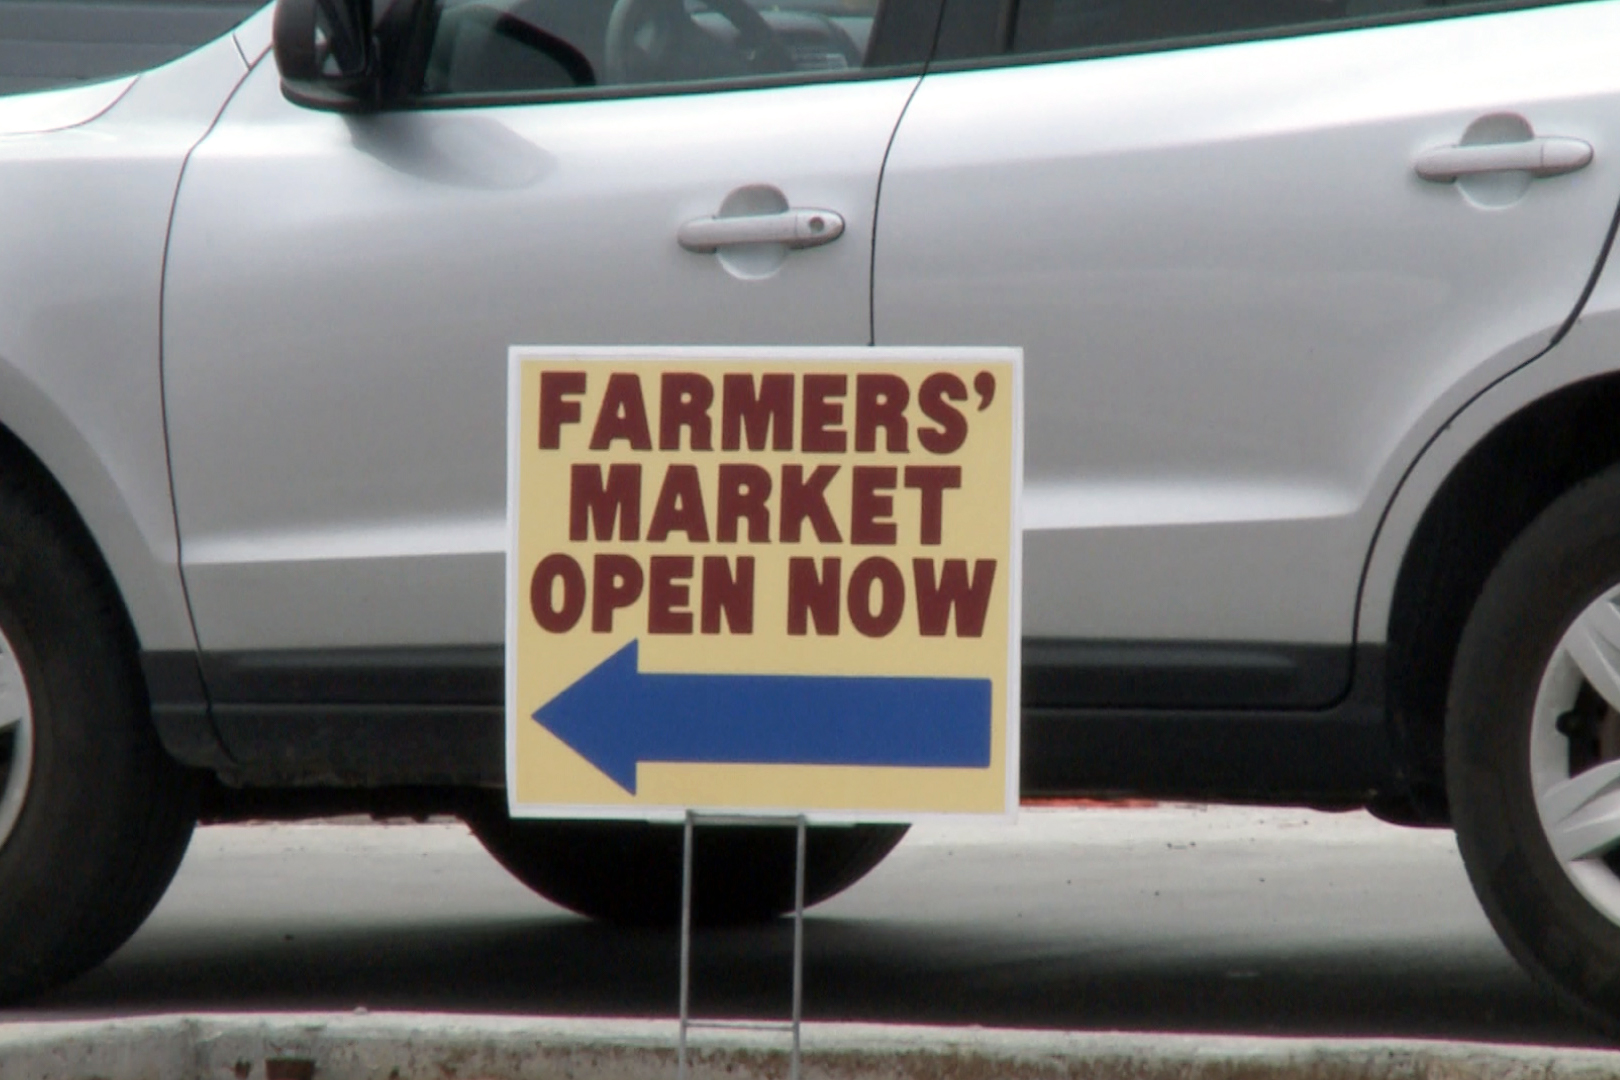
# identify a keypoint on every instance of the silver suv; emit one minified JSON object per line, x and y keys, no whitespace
{"x":1322,"y":498}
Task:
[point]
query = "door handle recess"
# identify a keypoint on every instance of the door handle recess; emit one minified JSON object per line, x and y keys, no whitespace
{"x":795,"y":228}
{"x":1549,"y":155}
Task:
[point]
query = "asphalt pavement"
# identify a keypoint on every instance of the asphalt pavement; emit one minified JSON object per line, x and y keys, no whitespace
{"x":1150,"y":919}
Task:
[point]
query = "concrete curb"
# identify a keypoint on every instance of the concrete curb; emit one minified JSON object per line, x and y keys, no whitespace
{"x":414,"y":1046}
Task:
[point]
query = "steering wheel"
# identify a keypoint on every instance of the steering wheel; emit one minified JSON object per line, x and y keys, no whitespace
{"x":659,"y":41}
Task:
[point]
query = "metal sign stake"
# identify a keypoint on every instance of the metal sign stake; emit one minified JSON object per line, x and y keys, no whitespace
{"x":801,"y":830}
{"x":798,"y":947}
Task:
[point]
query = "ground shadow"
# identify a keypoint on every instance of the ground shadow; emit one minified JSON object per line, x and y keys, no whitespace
{"x":856,"y":969}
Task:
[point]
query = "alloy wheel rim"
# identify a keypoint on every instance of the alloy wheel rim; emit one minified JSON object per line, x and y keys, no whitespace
{"x":1575,"y":753}
{"x":16,"y":740}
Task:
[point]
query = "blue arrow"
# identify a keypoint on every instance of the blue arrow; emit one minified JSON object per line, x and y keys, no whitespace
{"x":616,"y":717}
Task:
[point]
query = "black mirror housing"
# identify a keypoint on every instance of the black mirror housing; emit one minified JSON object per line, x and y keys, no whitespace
{"x":327,"y":54}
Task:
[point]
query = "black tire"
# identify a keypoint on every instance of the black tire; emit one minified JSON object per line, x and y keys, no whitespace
{"x":106,"y":814}
{"x":629,"y":872}
{"x":1565,"y":560}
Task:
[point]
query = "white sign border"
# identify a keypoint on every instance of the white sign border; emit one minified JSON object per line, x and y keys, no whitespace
{"x":651,"y":354}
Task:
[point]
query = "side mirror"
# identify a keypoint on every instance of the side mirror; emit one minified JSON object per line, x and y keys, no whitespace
{"x":327,"y":54}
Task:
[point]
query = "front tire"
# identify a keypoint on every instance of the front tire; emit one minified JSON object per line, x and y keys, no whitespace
{"x":629,"y":872}
{"x":1533,"y":748}
{"x":94,"y":816}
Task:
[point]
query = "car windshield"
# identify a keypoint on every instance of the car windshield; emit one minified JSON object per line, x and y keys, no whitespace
{"x":49,"y":45}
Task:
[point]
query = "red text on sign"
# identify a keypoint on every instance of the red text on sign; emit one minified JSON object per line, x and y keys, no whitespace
{"x":814,"y":413}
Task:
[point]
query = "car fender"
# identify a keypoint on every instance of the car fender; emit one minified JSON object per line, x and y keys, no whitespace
{"x":1590,"y":347}
{"x":84,"y":219}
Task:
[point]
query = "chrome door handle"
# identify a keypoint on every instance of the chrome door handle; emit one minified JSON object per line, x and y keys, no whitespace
{"x":795,"y":228}
{"x":1549,"y":155}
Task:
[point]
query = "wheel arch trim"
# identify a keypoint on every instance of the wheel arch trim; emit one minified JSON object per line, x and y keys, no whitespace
{"x":1589,"y":350}
{"x":143,"y":561}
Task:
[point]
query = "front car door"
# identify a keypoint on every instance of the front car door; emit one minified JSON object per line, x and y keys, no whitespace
{"x":342,"y":290}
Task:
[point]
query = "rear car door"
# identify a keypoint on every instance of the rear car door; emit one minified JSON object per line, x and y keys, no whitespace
{"x":1243,"y":308}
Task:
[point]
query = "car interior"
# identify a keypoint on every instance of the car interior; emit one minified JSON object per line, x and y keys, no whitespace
{"x":514,"y":46}
{"x":482,"y":47}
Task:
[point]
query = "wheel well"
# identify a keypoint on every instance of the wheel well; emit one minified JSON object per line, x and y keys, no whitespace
{"x":20,"y":466}
{"x":1497,"y":489}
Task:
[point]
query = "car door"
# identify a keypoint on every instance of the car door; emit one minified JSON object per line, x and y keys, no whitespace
{"x":1243,"y":308}
{"x":342,"y":289}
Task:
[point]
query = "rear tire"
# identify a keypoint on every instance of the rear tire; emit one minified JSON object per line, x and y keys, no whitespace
{"x":100,"y":816}
{"x":629,"y":872}
{"x":1533,"y":722}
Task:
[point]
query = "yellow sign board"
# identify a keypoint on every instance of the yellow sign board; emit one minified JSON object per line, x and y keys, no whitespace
{"x":763,"y":580}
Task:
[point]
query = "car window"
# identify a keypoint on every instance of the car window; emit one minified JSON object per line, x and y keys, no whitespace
{"x":1056,"y":25}
{"x":980,"y":28}
{"x":527,"y":47}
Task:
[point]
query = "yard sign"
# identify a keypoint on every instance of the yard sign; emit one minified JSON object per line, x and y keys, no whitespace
{"x":763,"y":580}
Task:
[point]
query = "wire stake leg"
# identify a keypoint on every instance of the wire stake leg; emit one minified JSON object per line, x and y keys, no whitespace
{"x":686,"y":945}
{"x":801,"y":827}
{"x":798,"y":948}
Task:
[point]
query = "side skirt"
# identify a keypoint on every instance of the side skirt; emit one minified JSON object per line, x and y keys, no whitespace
{"x":1335,"y":756}
{"x":1099,"y":718}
